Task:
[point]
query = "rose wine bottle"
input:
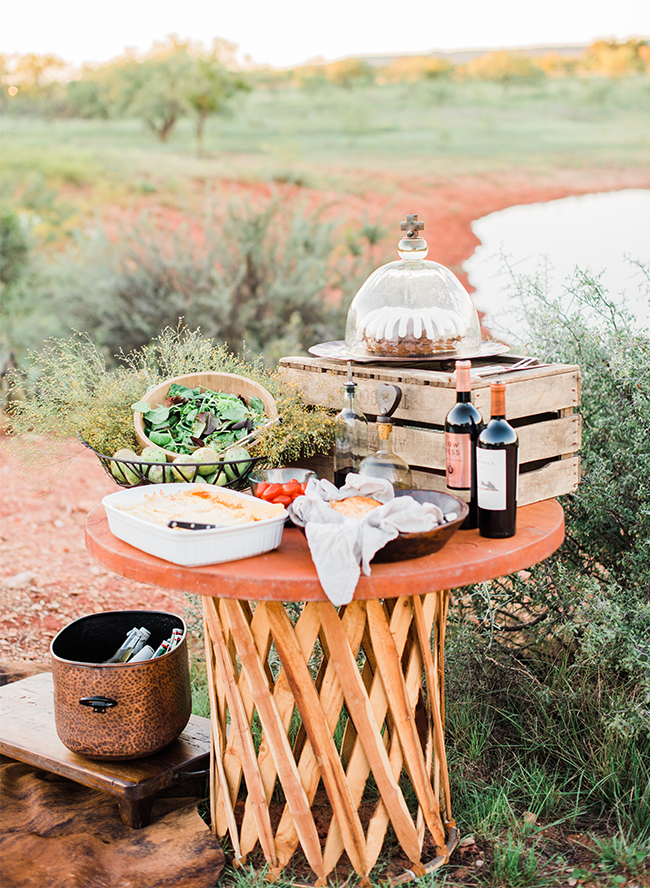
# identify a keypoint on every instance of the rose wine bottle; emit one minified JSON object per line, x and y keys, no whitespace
{"x":497,"y":464}
{"x":463,"y":425}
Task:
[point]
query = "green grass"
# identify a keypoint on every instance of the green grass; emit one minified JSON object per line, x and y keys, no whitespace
{"x":544,"y":799}
{"x":340,"y":139}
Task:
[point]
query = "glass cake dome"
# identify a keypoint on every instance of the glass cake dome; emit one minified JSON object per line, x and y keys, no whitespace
{"x":412,"y":307}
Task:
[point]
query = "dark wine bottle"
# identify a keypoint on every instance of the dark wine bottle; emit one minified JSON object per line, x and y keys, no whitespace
{"x":463,"y":425}
{"x":497,"y":464}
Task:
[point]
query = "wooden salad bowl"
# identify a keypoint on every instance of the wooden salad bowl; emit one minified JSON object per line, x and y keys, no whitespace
{"x":229,"y":383}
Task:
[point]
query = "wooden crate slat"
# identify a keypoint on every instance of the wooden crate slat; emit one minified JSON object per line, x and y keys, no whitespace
{"x":428,"y":395}
{"x":553,"y":479}
{"x":537,"y":441}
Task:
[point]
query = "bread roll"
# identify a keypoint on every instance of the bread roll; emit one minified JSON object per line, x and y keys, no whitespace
{"x":355,"y":506}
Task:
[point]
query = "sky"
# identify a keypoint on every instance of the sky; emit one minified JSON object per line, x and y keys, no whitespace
{"x":283,"y":33}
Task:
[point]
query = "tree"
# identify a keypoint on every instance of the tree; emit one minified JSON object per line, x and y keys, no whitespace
{"x":179,"y":79}
{"x":409,"y":69}
{"x":613,"y":59}
{"x":161,"y":98}
{"x":31,"y":80}
{"x":349,"y":73}
{"x":501,"y":67}
{"x":212,"y":84}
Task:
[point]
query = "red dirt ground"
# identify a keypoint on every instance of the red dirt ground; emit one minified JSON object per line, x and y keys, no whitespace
{"x":47,"y":578}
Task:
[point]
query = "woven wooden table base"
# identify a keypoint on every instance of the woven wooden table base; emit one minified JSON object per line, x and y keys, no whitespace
{"x":341,"y":697}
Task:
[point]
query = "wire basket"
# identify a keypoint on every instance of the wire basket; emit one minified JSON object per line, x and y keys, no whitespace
{"x":135,"y":473}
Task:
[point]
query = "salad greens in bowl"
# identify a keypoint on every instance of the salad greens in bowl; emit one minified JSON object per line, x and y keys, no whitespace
{"x":215,"y":410}
{"x":196,"y":428}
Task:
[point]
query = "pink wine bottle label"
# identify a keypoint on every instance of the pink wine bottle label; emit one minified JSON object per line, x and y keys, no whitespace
{"x":459,"y":461}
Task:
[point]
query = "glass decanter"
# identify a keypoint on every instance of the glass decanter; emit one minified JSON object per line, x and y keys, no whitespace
{"x":351,"y":434}
{"x":385,"y":463}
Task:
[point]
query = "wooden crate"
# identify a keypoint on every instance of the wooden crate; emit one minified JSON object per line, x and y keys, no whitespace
{"x":540,"y":404}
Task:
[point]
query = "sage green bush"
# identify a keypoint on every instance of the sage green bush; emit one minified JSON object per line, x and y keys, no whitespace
{"x":268,"y":276}
{"x":553,"y":665}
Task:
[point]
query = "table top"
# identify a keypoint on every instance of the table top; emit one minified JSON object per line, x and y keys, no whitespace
{"x":288,"y":572}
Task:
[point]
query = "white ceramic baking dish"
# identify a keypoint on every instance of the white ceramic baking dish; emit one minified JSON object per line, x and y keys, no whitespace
{"x":191,"y":548}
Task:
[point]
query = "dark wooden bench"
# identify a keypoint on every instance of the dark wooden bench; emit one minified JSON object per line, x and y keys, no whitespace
{"x":28,"y":734}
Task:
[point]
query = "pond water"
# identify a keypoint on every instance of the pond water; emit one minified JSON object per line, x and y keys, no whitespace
{"x":599,"y":233}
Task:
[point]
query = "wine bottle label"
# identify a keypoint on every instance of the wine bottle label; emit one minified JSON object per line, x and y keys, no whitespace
{"x":491,"y":475}
{"x":459,"y":461}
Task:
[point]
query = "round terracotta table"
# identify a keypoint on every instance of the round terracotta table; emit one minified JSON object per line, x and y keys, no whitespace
{"x":303,"y":693}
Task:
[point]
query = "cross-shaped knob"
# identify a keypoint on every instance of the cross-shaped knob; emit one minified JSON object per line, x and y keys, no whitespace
{"x":411,"y":226}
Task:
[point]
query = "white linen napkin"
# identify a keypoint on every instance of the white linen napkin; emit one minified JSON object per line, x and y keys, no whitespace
{"x":342,"y":547}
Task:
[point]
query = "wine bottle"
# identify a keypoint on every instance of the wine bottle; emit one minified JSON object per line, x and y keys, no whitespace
{"x":463,"y":425}
{"x":351,"y":435}
{"x":497,"y":465}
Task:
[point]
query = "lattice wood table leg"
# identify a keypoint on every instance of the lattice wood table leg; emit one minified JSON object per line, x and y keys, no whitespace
{"x":336,"y":697}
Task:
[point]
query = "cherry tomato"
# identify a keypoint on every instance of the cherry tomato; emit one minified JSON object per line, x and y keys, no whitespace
{"x":282,"y":500}
{"x":271,"y":491}
{"x":261,"y":487}
{"x":303,"y":486}
{"x":292,"y":488}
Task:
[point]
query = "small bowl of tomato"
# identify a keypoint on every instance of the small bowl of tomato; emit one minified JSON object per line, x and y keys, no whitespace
{"x":280,"y":485}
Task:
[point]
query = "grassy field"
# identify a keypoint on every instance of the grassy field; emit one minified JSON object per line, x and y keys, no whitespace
{"x":549,"y":796}
{"x":347,"y":141}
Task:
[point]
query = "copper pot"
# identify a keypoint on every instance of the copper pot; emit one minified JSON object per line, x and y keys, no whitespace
{"x":119,"y":711}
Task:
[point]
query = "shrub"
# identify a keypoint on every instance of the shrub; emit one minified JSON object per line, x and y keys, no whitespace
{"x":560,"y":654}
{"x":70,"y":391}
{"x":409,"y":69}
{"x":501,"y":67}
{"x":268,"y":275}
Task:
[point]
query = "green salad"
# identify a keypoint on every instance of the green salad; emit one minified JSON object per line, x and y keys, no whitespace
{"x":191,"y":418}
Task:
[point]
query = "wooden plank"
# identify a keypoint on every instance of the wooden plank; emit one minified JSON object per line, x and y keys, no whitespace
{"x":428,"y":395}
{"x":222,"y":813}
{"x":413,"y":677}
{"x":358,"y":767}
{"x":331,"y":701}
{"x":319,"y":732}
{"x":240,"y":728}
{"x":369,"y":733}
{"x":28,"y":734}
{"x":537,"y":441}
{"x":433,"y":697}
{"x":547,"y":482}
{"x":276,"y":737}
{"x":403,"y":716}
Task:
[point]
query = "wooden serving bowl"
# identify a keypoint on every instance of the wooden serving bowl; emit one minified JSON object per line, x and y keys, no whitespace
{"x":415,"y":545}
{"x":230,"y":383}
